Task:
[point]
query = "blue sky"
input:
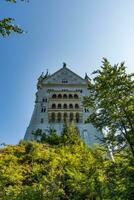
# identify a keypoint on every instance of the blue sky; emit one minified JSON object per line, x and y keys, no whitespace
{"x":78,"y":32}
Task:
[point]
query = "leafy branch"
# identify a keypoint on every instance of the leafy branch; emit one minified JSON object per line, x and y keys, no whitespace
{"x":7,"y":26}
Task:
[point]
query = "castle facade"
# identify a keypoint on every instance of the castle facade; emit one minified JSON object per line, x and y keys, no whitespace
{"x":59,"y":98}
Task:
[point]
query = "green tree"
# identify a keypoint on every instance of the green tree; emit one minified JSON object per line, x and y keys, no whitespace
{"x":52,"y":138}
{"x":71,"y":134}
{"x":112,"y":102}
{"x":68,"y":171}
{"x":7,"y":26}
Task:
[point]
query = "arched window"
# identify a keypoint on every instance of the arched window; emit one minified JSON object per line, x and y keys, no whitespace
{"x":53,"y":105}
{"x":54,"y":96}
{"x":65,"y":116}
{"x":76,"y":96}
{"x":77,"y":117}
{"x":65,"y":106}
{"x":71,"y":117}
{"x":70,"y":96}
{"x":71,"y":106}
{"x":59,"y":117}
{"x":59,"y":106}
{"x":64,"y":96}
{"x":53,"y":117}
{"x":76,"y":106}
{"x":42,"y":120}
{"x":59,"y":96}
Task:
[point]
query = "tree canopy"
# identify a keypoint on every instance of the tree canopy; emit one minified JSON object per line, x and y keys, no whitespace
{"x":112,"y":102}
{"x":69,"y":170}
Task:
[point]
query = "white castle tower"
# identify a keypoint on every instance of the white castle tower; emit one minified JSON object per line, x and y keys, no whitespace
{"x":59,"y":98}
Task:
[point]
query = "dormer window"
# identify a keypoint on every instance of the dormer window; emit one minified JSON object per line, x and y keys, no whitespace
{"x":64,"y":81}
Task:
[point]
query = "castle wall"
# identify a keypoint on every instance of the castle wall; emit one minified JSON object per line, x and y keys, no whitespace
{"x":58,"y":101}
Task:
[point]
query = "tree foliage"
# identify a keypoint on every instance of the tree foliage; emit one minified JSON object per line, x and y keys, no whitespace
{"x":7,"y":26}
{"x":65,"y":171}
{"x":112,"y":102}
{"x":69,"y":135}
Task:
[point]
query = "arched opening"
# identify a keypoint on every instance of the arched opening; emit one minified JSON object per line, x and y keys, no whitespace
{"x":59,"y":117}
{"x":76,"y":106}
{"x":59,"y":106}
{"x":71,"y":106}
{"x":76,"y":96}
{"x":77,"y":117}
{"x":53,"y":117}
{"x":54,"y":96}
{"x":65,"y":96}
{"x":65,"y":117}
{"x":71,"y":117}
{"x":70,"y":96}
{"x":59,"y":96}
{"x":42,"y":120}
{"x":53,"y":106}
{"x":65,"y":106}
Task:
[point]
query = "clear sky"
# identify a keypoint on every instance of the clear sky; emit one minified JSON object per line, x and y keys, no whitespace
{"x":78,"y":32}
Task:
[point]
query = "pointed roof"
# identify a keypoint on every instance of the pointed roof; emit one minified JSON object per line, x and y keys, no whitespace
{"x":64,"y":76}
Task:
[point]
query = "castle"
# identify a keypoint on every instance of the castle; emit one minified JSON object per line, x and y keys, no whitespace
{"x":59,"y":98}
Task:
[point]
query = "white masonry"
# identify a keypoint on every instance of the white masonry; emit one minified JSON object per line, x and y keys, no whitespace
{"x":59,"y":98}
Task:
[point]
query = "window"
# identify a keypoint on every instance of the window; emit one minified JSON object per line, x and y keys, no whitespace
{"x":54,"y":96}
{"x":77,"y":117}
{"x":64,"y":81}
{"x":59,"y":117}
{"x":71,"y":106}
{"x":59,"y":106}
{"x":65,"y":106}
{"x":64,"y":96}
{"x":76,"y":106}
{"x":76,"y":96}
{"x":71,"y":117}
{"x":42,"y":120}
{"x":53,"y":106}
{"x":65,"y":116}
{"x":59,"y":96}
{"x":53,"y":117}
{"x":44,"y":100}
{"x":70,"y":96}
{"x":43,"y":110}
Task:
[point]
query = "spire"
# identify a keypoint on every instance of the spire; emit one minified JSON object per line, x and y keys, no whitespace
{"x":64,"y":65}
{"x":87,"y":77}
{"x":46,"y":75}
